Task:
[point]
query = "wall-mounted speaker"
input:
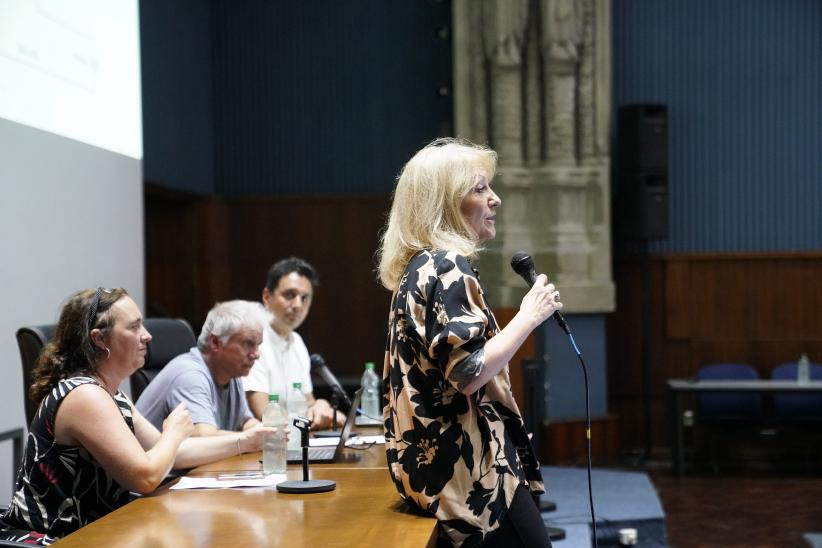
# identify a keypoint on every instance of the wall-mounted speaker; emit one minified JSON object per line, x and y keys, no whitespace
{"x":643,"y":137}
{"x":642,"y":205}
{"x":642,"y":172}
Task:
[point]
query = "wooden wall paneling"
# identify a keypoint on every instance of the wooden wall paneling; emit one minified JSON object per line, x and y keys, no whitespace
{"x":565,"y":442}
{"x":706,"y":351}
{"x":678,"y":356}
{"x":774,"y":317}
{"x":659,"y":364}
{"x":170,"y":229}
{"x":714,"y":304}
{"x":212,"y":269}
{"x":678,"y":319}
{"x":803,"y":286}
{"x":757,"y":308}
{"x":339,"y":236}
{"x":623,"y":328}
{"x":629,"y":411}
{"x":625,"y":350}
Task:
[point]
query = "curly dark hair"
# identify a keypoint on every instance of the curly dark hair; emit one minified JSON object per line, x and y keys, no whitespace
{"x":70,"y":352}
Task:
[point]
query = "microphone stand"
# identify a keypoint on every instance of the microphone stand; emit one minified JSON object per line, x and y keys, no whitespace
{"x":336,"y":395}
{"x":532,"y":380}
{"x":335,"y":404}
{"x":305,"y":485}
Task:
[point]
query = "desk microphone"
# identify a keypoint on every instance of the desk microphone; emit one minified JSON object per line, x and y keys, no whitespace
{"x":318,"y":367}
{"x":523,"y":264}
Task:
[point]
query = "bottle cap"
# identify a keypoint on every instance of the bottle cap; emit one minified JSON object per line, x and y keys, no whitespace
{"x":274,"y":397}
{"x":369,"y":365}
{"x":297,"y":385}
{"x":628,"y":536}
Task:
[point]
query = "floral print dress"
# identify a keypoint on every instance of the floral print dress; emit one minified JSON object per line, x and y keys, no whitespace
{"x":457,"y":457}
{"x":60,"y":488}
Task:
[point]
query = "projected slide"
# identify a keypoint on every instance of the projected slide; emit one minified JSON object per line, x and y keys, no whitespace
{"x":73,"y":68}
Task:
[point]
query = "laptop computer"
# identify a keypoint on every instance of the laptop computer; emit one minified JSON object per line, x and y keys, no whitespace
{"x":329,"y":453}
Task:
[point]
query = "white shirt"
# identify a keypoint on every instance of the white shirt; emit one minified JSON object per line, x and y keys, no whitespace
{"x":282,"y":362}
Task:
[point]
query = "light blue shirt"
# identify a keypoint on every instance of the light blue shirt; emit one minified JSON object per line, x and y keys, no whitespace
{"x":188,"y":379}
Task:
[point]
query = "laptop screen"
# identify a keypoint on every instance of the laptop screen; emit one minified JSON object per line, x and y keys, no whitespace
{"x":349,"y":422}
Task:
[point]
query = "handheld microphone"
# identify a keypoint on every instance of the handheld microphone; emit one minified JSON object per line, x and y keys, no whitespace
{"x":523,"y":264}
{"x":318,"y":367}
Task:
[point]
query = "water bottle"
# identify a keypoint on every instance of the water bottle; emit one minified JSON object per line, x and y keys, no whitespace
{"x":274,"y":457}
{"x":371,"y":404}
{"x":297,"y":407}
{"x":803,"y":370}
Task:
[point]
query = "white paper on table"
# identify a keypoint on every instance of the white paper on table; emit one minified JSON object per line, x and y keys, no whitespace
{"x":323,"y":442}
{"x":353,"y":440}
{"x":227,"y":481}
{"x":366,"y":440}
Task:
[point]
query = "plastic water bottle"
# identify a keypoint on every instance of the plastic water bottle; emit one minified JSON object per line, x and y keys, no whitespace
{"x":803,"y":370}
{"x":371,"y":404}
{"x":297,"y":407}
{"x":274,"y":457}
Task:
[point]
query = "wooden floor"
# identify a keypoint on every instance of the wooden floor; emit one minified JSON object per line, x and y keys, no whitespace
{"x":740,"y":508}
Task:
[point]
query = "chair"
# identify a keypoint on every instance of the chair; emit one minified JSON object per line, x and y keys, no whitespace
{"x":728,"y":413}
{"x":170,"y":337}
{"x":796,"y":407}
{"x":798,"y":416}
{"x":30,"y":341}
{"x":728,"y":407}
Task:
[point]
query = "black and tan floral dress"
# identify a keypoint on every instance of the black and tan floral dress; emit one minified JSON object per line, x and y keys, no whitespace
{"x":60,"y":488}
{"x":457,"y":457}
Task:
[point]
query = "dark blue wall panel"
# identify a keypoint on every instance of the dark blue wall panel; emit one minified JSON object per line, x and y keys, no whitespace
{"x":742,"y":80}
{"x":326,"y":96}
{"x":564,"y":378}
{"x":178,"y":140}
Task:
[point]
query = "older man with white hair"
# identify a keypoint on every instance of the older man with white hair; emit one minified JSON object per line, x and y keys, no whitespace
{"x":208,"y":377}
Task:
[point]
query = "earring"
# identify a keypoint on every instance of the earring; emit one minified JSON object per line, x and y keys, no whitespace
{"x":108,"y":352}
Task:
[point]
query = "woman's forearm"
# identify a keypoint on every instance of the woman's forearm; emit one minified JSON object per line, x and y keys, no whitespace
{"x":539,"y":303}
{"x":161,"y":459}
{"x":501,"y":348}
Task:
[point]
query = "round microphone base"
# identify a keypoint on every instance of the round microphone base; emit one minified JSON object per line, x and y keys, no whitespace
{"x":306,"y":486}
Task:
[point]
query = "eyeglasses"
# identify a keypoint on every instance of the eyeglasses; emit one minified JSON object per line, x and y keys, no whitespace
{"x":92,"y":311}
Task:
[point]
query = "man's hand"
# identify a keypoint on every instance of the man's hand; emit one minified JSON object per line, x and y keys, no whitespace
{"x":321,"y":412}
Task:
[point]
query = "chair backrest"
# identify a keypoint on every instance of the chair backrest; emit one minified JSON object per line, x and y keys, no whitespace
{"x":170,"y":337}
{"x":30,"y":341}
{"x":791,"y":407}
{"x":728,"y":406}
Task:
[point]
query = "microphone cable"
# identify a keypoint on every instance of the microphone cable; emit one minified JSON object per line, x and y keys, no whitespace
{"x":587,"y":429}
{"x":523,"y":264}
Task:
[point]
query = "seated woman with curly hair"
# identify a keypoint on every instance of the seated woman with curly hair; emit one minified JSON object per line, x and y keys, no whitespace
{"x":88,"y":446}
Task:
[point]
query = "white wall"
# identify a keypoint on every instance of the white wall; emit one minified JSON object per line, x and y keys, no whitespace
{"x":71,"y":217}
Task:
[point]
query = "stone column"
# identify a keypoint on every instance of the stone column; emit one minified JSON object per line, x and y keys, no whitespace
{"x":532,"y":81}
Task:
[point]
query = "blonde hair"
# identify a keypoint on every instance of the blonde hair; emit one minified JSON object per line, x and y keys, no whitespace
{"x":425,"y":210}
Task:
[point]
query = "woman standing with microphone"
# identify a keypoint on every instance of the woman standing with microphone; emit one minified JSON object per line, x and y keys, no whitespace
{"x":455,"y":440}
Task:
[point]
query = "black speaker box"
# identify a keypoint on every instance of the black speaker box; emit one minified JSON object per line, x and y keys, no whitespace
{"x":642,"y":135}
{"x":642,"y":205}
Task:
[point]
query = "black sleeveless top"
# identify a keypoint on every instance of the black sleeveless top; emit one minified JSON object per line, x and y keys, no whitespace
{"x":60,"y":488}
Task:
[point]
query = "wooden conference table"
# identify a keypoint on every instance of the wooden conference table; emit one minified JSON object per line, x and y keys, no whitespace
{"x":364,"y":510}
{"x":679,"y":386}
